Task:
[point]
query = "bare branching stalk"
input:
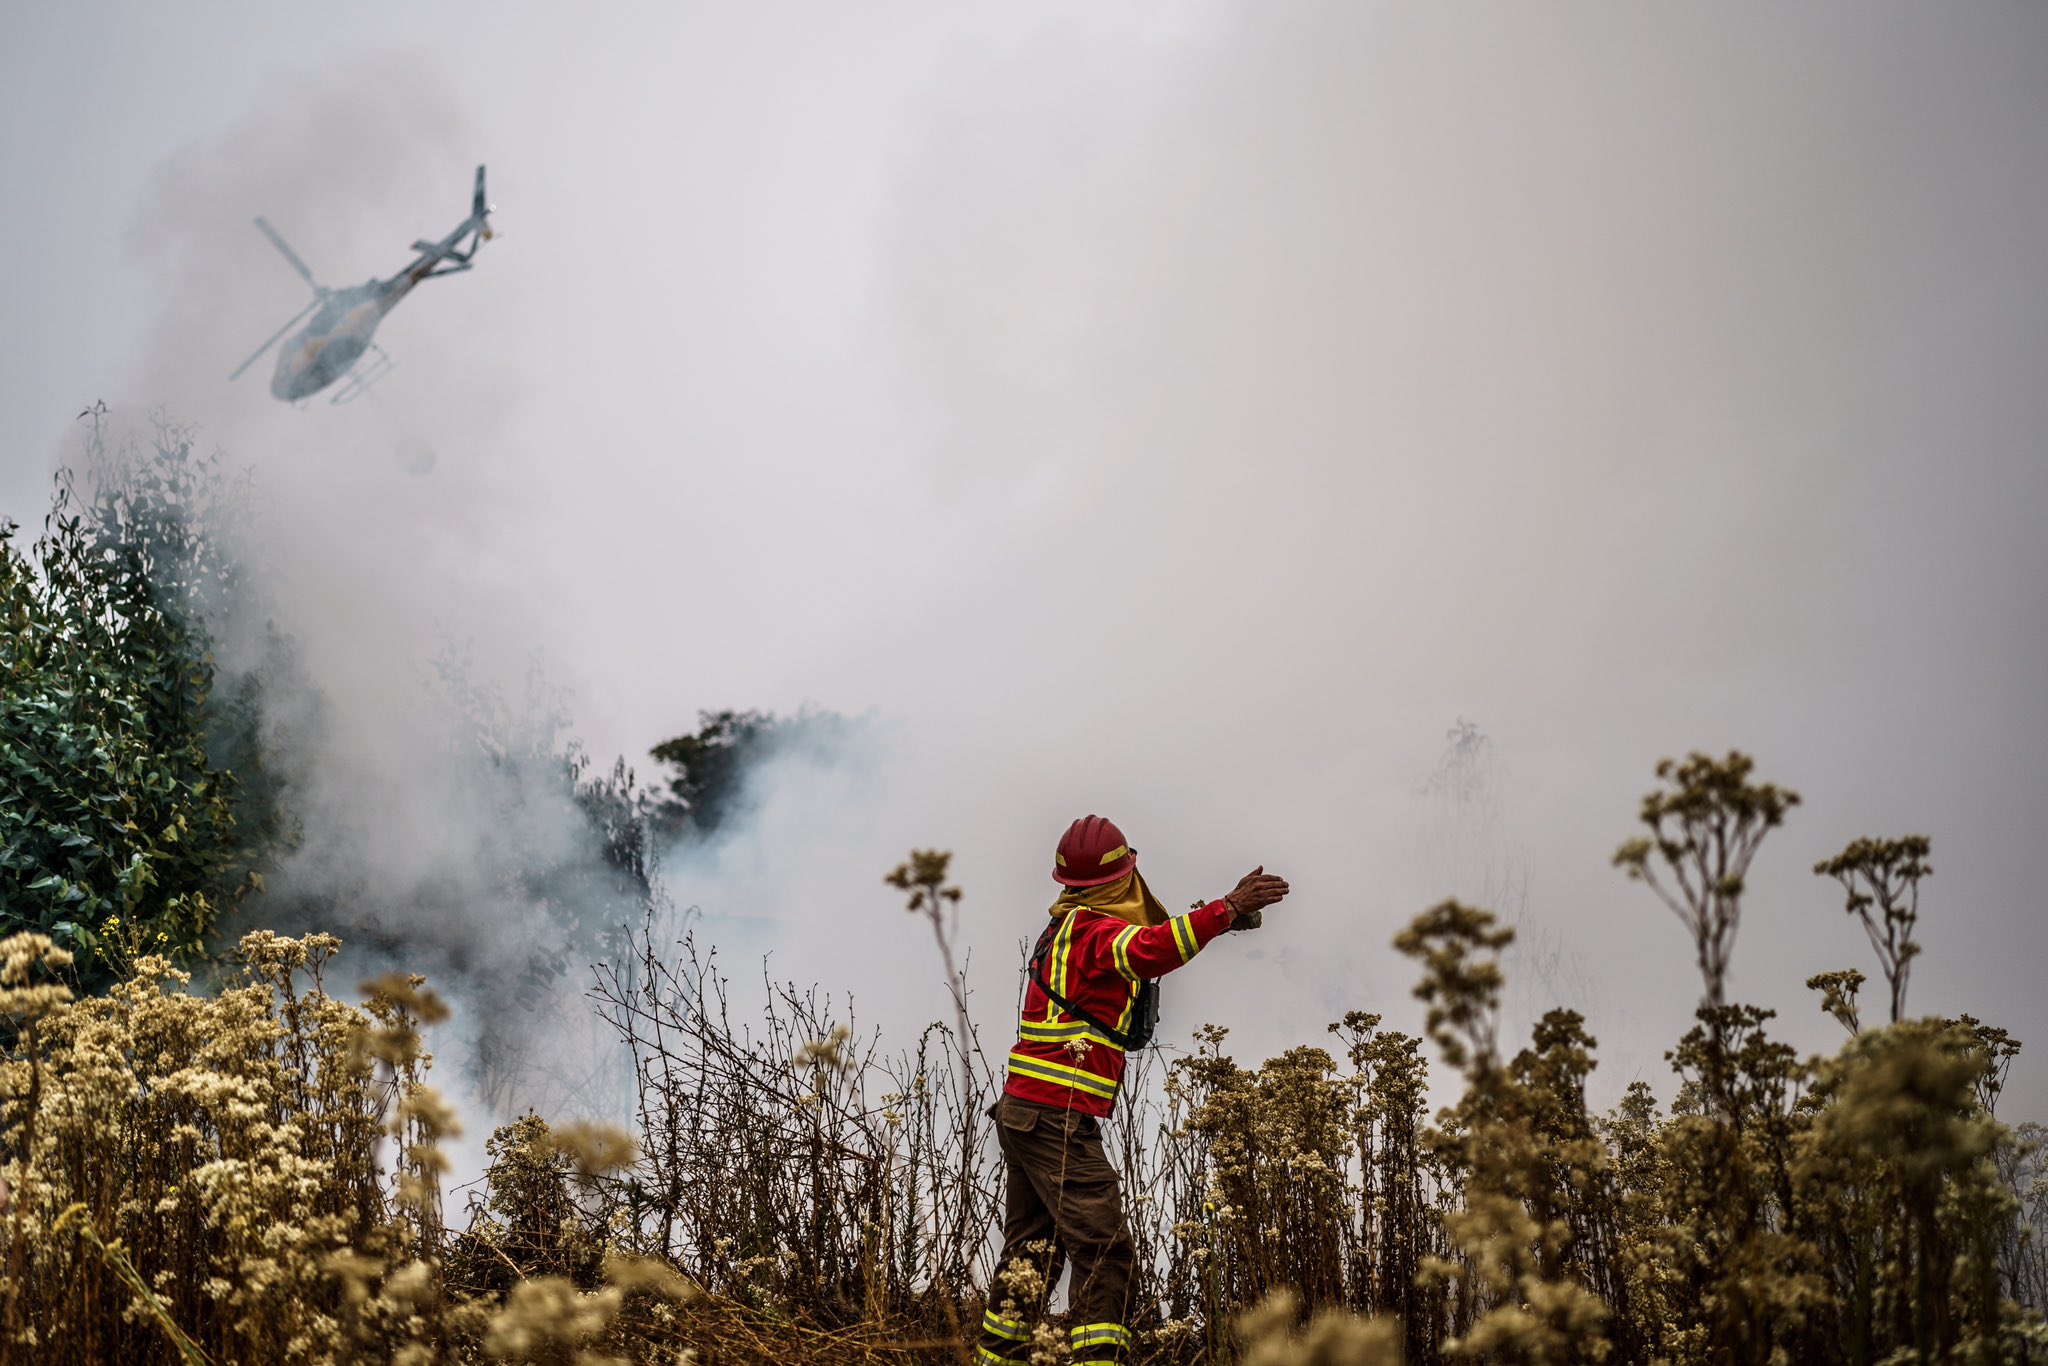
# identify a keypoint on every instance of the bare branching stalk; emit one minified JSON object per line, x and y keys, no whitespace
{"x":1882,"y":880}
{"x":924,"y":878}
{"x":1705,"y":825}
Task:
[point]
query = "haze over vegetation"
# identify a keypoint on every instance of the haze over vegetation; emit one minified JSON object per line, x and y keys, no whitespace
{"x":256,"y":1170}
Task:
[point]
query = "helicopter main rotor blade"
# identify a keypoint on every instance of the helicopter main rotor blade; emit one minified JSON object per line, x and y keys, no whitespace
{"x":273,"y":339}
{"x":289,"y":254}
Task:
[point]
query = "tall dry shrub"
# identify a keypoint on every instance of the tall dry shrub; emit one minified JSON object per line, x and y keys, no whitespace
{"x":1399,"y":1221}
{"x":1898,"y":1132}
{"x":1519,"y":1279}
{"x":197,"y":1174}
{"x":1273,"y":1147}
{"x":786,"y":1164}
{"x":1743,"y":1285}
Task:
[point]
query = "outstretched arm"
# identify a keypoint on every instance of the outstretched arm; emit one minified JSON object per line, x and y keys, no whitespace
{"x":1142,"y":951}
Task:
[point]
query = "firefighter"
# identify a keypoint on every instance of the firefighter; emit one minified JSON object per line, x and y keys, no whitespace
{"x":1089,"y":999}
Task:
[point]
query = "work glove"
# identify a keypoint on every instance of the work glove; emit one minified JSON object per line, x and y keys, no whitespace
{"x":1254,"y":892}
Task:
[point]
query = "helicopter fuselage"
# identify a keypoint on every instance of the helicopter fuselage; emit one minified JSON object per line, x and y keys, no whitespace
{"x":337,"y":337}
{"x":344,"y":321}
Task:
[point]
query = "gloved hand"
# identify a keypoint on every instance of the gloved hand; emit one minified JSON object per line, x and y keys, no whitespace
{"x":1254,"y":892}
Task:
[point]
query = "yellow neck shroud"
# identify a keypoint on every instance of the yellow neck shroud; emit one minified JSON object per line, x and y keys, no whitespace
{"x":1128,"y":899}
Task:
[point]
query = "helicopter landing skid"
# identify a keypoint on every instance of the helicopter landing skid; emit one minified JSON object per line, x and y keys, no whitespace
{"x":363,"y":376}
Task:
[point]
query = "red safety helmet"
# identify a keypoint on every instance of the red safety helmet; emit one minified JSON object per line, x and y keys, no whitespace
{"x":1092,"y":852}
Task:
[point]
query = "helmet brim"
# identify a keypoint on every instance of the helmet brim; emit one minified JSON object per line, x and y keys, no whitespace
{"x":1069,"y":880}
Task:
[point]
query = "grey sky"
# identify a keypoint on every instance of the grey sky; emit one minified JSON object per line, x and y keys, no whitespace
{"x":1181,"y":412}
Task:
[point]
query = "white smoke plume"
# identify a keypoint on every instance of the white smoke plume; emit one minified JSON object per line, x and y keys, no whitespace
{"x":1185,"y":416}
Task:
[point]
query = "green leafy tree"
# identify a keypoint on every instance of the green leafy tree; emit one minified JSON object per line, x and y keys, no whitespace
{"x":119,"y":832}
{"x":711,"y":767}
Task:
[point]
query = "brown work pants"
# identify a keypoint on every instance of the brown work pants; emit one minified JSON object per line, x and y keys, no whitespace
{"x":1062,"y":1196}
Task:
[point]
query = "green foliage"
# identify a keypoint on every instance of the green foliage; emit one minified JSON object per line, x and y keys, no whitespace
{"x":119,"y":834}
{"x":708,"y":786}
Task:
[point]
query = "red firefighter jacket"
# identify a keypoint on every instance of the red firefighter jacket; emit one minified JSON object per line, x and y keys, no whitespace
{"x":1096,"y":961}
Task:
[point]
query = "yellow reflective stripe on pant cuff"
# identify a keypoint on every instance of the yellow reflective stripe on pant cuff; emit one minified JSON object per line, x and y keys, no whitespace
{"x":1059,"y":1074}
{"x":1098,"y":1335}
{"x":995,"y":1325}
{"x":984,"y":1357}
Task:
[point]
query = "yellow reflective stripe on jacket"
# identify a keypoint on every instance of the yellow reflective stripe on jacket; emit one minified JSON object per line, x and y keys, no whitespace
{"x":1062,"y":948}
{"x":1059,"y":1074}
{"x":1184,"y":937}
{"x":1120,"y":947}
{"x":1039,"y":1031}
{"x":995,"y":1325}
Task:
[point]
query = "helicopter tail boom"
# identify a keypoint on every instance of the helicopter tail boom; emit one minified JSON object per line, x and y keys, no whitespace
{"x":453,"y":257}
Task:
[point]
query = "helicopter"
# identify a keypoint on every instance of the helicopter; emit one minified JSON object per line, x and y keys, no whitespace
{"x":345,"y":320}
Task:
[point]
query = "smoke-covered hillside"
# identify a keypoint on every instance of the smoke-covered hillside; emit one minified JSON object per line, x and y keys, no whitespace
{"x":214,"y":1156}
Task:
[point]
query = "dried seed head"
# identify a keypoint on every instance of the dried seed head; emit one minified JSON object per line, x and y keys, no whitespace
{"x":409,"y":992}
{"x":649,"y":1273}
{"x":597,"y":1149}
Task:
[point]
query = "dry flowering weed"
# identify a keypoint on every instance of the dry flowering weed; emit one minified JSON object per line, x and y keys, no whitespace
{"x":1272,"y":1335}
{"x":547,"y":1311}
{"x":225,"y":1143}
{"x":595,"y":1149}
{"x":652,"y":1275}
